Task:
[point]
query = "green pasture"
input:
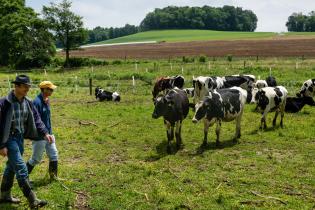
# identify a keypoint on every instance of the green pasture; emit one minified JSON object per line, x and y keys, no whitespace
{"x":113,"y":155}
{"x":188,"y":35}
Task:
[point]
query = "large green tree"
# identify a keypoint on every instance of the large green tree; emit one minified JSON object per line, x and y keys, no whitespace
{"x":66,"y":25}
{"x":24,"y":38}
{"x":227,"y":18}
{"x":299,"y":22}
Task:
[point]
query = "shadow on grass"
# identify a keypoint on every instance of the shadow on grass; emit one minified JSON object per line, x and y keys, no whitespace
{"x":40,"y":182}
{"x":4,"y":206}
{"x":212,"y":146}
{"x":161,"y":150}
{"x":268,"y":129}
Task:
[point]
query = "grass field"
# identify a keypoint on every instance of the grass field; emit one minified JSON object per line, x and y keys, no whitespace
{"x":188,"y":35}
{"x":119,"y":161}
{"x":198,"y":35}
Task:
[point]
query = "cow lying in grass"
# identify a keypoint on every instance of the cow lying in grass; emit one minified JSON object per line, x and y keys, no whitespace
{"x":106,"y":95}
{"x":295,"y":104}
{"x":270,"y":99}
{"x":221,"y":105}
{"x":174,"y":107}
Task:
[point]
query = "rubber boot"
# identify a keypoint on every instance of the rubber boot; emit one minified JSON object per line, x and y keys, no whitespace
{"x":29,"y":168}
{"x":53,"y":170}
{"x":34,"y":202}
{"x":6,"y":185}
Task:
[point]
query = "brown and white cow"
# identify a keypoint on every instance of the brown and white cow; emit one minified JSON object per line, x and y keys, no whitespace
{"x":165,"y":83}
{"x":221,"y":105}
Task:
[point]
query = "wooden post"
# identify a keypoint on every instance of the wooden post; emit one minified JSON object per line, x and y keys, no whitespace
{"x":90,"y":84}
{"x":244,"y":64}
{"x":133,"y":84}
{"x":76,"y":83}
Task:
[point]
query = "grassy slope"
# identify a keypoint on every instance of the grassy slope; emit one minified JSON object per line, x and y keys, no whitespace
{"x":187,"y":35}
{"x":121,"y":163}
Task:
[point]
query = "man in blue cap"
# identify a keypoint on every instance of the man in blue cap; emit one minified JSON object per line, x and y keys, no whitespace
{"x":19,"y":119}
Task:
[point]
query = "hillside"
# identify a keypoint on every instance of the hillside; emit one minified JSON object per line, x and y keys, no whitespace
{"x":188,"y":35}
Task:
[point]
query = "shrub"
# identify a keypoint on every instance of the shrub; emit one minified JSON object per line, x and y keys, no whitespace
{"x":202,"y":59}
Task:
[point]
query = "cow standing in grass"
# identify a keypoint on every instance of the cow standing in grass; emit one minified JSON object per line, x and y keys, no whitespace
{"x":174,"y":107}
{"x":165,"y":83}
{"x":203,"y":85}
{"x":270,"y":99}
{"x":221,"y":105}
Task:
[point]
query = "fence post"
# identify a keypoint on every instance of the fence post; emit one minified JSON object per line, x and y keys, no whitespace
{"x":76,"y":83}
{"x":182,"y":70}
{"x":133,"y":84}
{"x":270,"y":71}
{"x":244,"y":64}
{"x":90,"y":84}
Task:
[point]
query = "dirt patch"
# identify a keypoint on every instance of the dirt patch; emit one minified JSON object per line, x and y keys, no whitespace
{"x":81,"y":202}
{"x":280,"y":47}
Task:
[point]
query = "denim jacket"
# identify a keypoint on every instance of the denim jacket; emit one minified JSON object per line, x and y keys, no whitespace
{"x":44,"y":111}
{"x":34,"y":125}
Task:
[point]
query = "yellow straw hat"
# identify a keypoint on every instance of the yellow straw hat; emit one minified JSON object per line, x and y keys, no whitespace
{"x":47,"y":84}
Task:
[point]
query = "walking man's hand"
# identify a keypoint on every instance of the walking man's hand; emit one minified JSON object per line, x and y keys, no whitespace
{"x":49,"y":138}
{"x":4,"y":152}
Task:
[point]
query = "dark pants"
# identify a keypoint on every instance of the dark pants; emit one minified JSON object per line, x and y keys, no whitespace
{"x":15,"y":164}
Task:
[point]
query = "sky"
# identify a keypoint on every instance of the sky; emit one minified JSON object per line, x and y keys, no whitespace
{"x":272,"y":14}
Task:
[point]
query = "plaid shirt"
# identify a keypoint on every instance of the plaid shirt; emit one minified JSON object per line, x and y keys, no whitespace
{"x":20,"y":115}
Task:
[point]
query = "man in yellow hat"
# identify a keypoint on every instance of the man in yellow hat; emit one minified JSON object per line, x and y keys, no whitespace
{"x":42,"y":103}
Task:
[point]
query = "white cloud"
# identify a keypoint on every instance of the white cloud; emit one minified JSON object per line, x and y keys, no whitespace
{"x":272,"y":15}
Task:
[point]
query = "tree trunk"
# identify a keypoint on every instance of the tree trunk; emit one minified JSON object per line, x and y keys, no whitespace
{"x":67,"y":58}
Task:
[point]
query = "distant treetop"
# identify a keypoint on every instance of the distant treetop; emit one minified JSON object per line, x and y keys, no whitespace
{"x":301,"y":23}
{"x":227,"y":18}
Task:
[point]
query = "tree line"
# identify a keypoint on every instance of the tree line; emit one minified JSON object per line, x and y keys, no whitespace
{"x":101,"y":34}
{"x":227,"y":18}
{"x":299,"y":22}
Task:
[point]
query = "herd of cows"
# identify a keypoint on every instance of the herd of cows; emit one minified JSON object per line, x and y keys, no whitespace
{"x":217,"y":100}
{"x":222,"y":99}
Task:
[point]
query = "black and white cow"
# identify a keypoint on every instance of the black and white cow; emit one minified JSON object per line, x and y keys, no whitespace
{"x":174,"y":107}
{"x":221,"y":105}
{"x":295,"y":104}
{"x":165,"y":83}
{"x":203,"y":85}
{"x":270,"y":99}
{"x":271,"y":81}
{"x":307,"y":89}
{"x":260,"y":84}
{"x":106,"y":95}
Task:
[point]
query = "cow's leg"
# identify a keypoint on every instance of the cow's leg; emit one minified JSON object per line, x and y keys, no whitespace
{"x":205,"y":131}
{"x":263,"y":124}
{"x":282,"y":109}
{"x":238,"y":127}
{"x":217,"y":132}
{"x":169,"y":135}
{"x":178,"y":134}
{"x":275,"y":118}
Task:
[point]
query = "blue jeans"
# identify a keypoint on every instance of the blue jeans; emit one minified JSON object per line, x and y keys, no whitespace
{"x":15,"y":164}
{"x":38,"y":150}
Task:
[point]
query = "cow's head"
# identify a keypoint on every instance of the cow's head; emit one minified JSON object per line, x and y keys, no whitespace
{"x":161,"y":105}
{"x":161,"y":83}
{"x":251,"y":95}
{"x":201,"y":109}
{"x":98,"y":90}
